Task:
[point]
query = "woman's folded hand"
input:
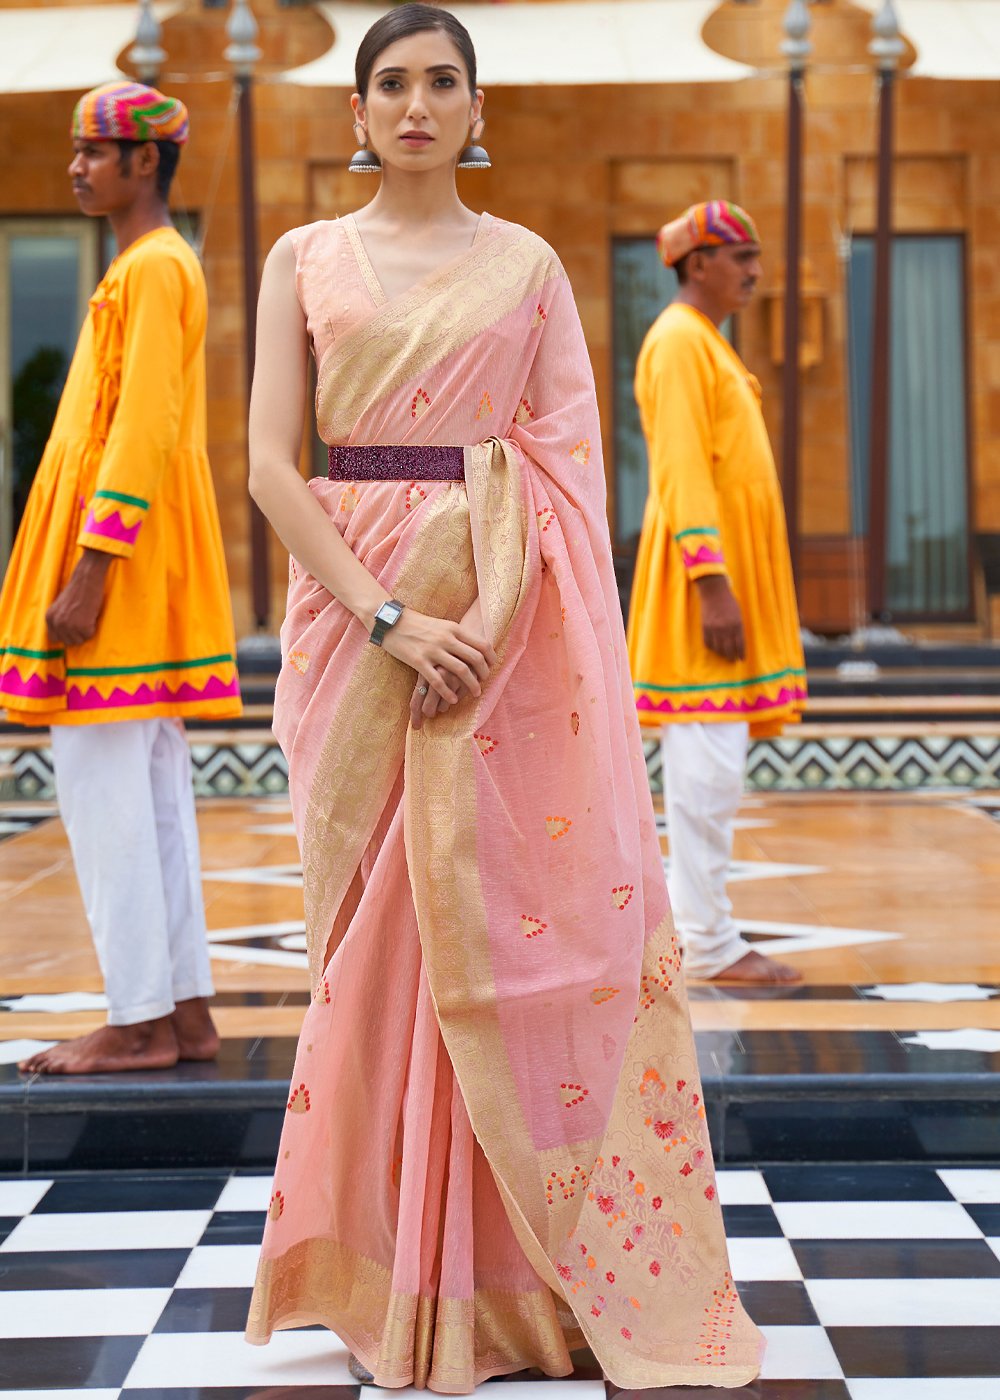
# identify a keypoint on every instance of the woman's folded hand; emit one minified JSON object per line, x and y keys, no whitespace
{"x":444,"y":654}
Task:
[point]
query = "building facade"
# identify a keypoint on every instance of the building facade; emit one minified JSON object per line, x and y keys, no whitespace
{"x":595,"y":169}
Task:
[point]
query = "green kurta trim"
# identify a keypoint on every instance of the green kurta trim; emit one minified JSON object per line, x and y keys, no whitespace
{"x":54,"y":655}
{"x":121,"y":498}
{"x":722,"y":685}
{"x":697,"y":530}
{"x":152,"y":666}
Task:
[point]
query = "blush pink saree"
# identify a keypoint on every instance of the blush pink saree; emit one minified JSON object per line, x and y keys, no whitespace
{"x":495,"y":1148}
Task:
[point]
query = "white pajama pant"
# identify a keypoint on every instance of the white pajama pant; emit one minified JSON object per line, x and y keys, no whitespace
{"x":703,"y":767}
{"x":127,"y":802}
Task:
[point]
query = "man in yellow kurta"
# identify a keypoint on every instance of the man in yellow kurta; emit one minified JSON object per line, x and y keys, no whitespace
{"x":115,"y":618}
{"x":714,"y":639}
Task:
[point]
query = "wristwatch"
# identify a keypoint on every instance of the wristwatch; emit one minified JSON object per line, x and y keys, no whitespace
{"x":387,"y":616}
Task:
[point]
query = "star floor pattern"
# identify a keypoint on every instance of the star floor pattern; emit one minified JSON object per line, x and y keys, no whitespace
{"x":869,"y":1282}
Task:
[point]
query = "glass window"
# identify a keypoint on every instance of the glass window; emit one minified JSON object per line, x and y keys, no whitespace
{"x":927,"y":518}
{"x":46,"y":274}
{"x":642,"y":288}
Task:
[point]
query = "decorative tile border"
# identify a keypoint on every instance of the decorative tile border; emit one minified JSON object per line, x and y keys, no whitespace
{"x":877,"y":763}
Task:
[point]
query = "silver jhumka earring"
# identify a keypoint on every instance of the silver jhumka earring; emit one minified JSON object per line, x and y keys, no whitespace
{"x":363,"y":161}
{"x":474,"y":157}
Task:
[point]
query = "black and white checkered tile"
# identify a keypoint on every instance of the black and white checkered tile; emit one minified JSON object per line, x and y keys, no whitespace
{"x":870,"y":1283}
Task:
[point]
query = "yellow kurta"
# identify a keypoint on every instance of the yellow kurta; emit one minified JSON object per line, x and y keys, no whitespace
{"x":714,"y":507}
{"x":126,"y":471}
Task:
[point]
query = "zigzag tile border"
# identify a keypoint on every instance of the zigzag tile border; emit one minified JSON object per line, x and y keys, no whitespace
{"x":882,"y":763}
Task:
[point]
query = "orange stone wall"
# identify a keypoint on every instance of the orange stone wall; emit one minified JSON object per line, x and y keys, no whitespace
{"x":581,"y":165}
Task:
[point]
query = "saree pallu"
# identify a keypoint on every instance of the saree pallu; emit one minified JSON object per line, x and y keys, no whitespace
{"x":495,"y":1148}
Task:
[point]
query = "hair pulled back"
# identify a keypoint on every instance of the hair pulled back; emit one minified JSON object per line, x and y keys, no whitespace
{"x":403,"y":22}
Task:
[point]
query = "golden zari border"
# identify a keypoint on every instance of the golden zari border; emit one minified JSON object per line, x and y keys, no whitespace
{"x":360,"y":760}
{"x":447,"y":1344}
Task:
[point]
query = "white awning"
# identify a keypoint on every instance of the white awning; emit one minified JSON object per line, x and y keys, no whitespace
{"x":576,"y":41}
{"x":957,"y":39}
{"x":67,"y":49}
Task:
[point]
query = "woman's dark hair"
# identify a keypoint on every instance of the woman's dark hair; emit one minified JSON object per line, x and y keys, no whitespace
{"x":170,"y":154}
{"x":401,"y":23}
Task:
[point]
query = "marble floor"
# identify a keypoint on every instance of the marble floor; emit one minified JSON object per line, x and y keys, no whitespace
{"x":869,"y":1283}
{"x":887,"y":903}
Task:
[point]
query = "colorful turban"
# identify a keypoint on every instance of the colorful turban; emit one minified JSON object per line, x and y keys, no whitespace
{"x":129,"y":112}
{"x":705,"y":226}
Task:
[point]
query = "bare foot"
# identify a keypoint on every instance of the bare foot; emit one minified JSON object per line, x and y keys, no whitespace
{"x":197,"y":1038}
{"x":754,"y":967}
{"x":111,"y":1050}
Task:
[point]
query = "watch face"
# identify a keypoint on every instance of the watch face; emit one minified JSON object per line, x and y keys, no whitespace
{"x":389,"y":612}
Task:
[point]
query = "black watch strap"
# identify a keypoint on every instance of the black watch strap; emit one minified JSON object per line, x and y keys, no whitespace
{"x":387,"y":616}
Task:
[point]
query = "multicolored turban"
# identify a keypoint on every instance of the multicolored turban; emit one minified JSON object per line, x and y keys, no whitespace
{"x":129,"y":112}
{"x":705,"y":226}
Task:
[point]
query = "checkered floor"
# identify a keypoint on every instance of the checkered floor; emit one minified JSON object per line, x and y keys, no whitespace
{"x":871,"y":1283}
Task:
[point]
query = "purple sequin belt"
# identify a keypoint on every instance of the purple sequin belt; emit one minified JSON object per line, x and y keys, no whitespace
{"x":408,"y":462}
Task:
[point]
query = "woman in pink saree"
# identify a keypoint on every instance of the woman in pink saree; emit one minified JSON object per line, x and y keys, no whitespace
{"x":495,"y":1150}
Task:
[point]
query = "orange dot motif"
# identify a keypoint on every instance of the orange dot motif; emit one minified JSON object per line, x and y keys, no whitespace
{"x":277,"y":1207}
{"x":524,"y":412}
{"x":565,"y":1183}
{"x":602,"y":994}
{"x":486,"y":743}
{"x":574,"y":722}
{"x":557,"y":826}
{"x":581,"y":452}
{"x":299,"y":661}
{"x":349,"y":498}
{"x":299,"y":1102}
{"x":419,"y":404}
{"x":485,"y":408}
{"x":573,"y":1094}
{"x":532,"y":927}
{"x":621,"y":895}
{"x":546,"y":517}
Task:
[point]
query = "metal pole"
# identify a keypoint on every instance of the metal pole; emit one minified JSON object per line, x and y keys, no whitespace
{"x":793,"y":249}
{"x":796,"y":47}
{"x":886,"y":47}
{"x":879,"y":439}
{"x":259,"y":567}
{"x":243,"y":54}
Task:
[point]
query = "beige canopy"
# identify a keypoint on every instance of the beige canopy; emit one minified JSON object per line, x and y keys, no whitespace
{"x":67,"y":49}
{"x":566,"y":42}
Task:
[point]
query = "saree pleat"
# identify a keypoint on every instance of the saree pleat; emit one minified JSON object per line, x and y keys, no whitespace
{"x":495,"y":1147}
